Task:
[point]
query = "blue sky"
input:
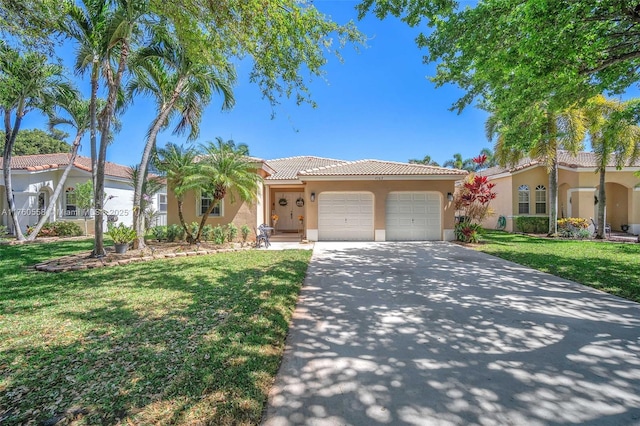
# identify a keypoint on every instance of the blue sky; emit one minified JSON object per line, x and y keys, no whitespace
{"x":377,"y":104}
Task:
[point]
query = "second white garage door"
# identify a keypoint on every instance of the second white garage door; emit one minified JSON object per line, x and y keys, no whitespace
{"x":413,"y":216}
{"x":345,"y":216}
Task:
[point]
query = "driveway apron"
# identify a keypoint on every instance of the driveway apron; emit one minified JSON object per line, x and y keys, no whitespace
{"x":432,"y":333}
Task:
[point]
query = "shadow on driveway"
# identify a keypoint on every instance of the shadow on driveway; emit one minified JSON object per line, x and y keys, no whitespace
{"x":432,"y":333}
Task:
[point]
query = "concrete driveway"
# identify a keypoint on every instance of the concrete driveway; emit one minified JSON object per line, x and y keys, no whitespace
{"x":436,"y":334}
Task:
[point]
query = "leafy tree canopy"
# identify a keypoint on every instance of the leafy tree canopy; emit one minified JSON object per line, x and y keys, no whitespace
{"x":513,"y":54}
{"x":35,"y":141}
{"x":286,"y":39}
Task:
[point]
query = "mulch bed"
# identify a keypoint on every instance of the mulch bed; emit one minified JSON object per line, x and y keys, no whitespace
{"x":153,"y":251}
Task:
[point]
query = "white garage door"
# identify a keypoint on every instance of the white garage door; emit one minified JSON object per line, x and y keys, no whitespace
{"x":345,"y":216}
{"x":413,"y":216}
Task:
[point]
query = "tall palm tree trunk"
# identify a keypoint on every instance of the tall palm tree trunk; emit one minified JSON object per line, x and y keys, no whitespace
{"x":93,"y":119}
{"x":10,"y":138}
{"x":138,"y":218}
{"x":189,"y":237}
{"x":602,"y":204}
{"x":553,"y":196}
{"x":56,"y":193}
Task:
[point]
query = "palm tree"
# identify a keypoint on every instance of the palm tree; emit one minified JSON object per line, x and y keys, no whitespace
{"x":78,"y":116}
{"x":458,"y":163}
{"x":27,"y":82}
{"x":182,"y":174}
{"x":87,"y":24}
{"x":181,"y":86}
{"x":426,"y":160}
{"x":123,"y":29}
{"x":150,"y":187}
{"x":611,"y":135}
{"x":491,"y":160}
{"x":228,"y":172}
{"x":557,"y":130}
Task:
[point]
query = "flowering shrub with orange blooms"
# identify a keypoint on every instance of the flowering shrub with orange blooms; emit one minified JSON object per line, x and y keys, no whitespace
{"x":300,"y":218}
{"x":275,"y":217}
{"x":473,"y":199}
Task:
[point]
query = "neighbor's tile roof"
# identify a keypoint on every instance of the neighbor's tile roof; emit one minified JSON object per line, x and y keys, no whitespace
{"x":581,"y":160}
{"x":57,"y":161}
{"x":380,"y":168}
{"x":288,"y":168}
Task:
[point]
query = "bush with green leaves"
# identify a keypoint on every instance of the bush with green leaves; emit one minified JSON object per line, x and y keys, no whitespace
{"x":193,"y":228}
{"x":4,"y":231}
{"x":468,"y":232}
{"x":121,"y":234}
{"x":207,"y":232}
{"x":532,"y":224}
{"x":572,"y":227}
{"x":59,"y":229}
{"x":245,"y":231}
{"x":232,"y":232}
{"x":159,"y":232}
{"x":175,"y":232}
{"x":219,"y":235}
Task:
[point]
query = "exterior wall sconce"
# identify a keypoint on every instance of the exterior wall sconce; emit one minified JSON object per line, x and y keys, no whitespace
{"x":313,"y":197}
{"x":449,"y":196}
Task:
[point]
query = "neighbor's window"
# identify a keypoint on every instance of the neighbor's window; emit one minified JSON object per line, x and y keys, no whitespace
{"x":205,"y":202}
{"x":162,"y":203}
{"x":523,"y":199}
{"x":541,"y":199}
{"x":70,"y":206}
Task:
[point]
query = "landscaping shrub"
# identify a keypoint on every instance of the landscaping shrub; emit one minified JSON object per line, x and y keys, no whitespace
{"x":207,"y":232}
{"x":532,"y":224}
{"x":245,"y":231}
{"x":175,"y":232}
{"x":468,"y":232}
{"x":67,"y":229}
{"x":4,"y":231}
{"x":232,"y":232}
{"x":572,"y":227}
{"x":159,"y":232}
{"x":193,"y":228}
{"x":58,"y":229}
{"x":218,"y":235}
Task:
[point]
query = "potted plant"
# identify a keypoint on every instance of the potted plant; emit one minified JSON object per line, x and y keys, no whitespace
{"x":122,"y":236}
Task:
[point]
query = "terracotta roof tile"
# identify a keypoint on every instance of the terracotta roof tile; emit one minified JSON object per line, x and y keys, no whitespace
{"x":288,"y":168}
{"x":57,"y":161}
{"x":380,"y":168}
{"x":582,"y":160}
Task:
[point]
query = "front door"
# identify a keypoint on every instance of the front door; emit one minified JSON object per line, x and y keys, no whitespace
{"x":289,"y":208}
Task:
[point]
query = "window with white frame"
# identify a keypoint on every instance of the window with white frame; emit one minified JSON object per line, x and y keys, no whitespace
{"x":162,"y":203}
{"x":541,"y":199}
{"x":523,"y":199}
{"x":70,"y":202}
{"x":205,"y":203}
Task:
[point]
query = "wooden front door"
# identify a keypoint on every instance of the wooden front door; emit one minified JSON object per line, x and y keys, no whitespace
{"x":289,"y":210}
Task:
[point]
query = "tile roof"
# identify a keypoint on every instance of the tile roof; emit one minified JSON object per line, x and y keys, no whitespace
{"x":581,"y":160}
{"x":288,"y":168}
{"x":380,"y":168}
{"x":58,"y":161}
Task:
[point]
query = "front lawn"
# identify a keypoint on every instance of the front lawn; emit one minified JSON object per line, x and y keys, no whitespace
{"x":611,"y":267}
{"x":195,"y":340}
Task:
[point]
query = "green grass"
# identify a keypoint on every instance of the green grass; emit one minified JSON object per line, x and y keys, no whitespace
{"x":194,"y":340}
{"x":611,"y":267}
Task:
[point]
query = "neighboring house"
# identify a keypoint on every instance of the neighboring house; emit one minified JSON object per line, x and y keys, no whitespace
{"x":35,"y":177}
{"x":523,"y":190}
{"x":368,"y":200}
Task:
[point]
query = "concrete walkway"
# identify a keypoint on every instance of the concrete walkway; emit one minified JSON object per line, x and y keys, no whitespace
{"x":437,"y":334}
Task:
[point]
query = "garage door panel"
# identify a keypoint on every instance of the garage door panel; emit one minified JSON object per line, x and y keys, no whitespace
{"x":345,"y":216}
{"x":413,"y":216}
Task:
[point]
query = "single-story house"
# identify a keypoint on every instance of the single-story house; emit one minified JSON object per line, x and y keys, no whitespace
{"x":34,"y":178}
{"x":523,"y":190}
{"x":327,"y":199}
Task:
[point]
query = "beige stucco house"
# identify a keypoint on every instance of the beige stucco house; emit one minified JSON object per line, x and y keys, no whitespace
{"x":326,"y":199}
{"x":523,"y":190}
